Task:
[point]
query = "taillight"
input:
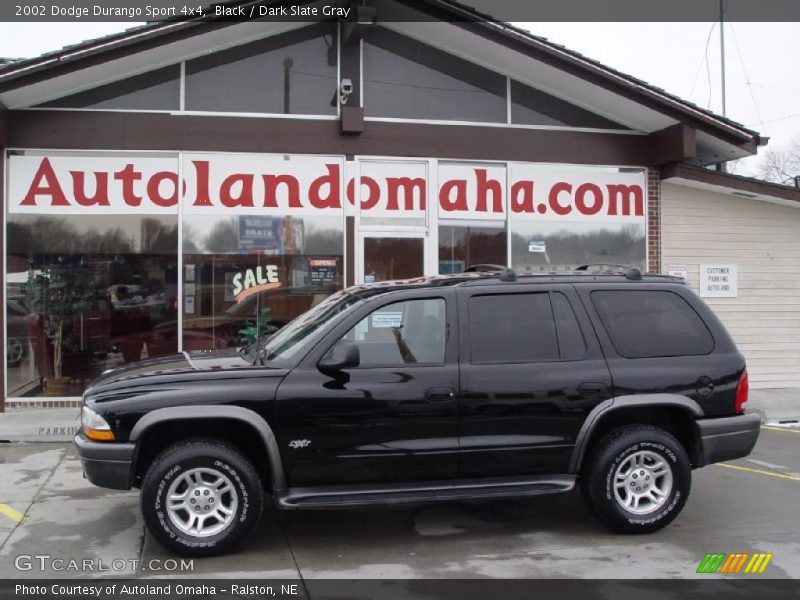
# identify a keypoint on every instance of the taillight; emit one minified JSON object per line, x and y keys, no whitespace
{"x":742,"y":392}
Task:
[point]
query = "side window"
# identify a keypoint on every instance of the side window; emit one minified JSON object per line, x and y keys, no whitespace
{"x":647,"y":324}
{"x":512,"y":328}
{"x":402,"y":333}
{"x":570,"y":338}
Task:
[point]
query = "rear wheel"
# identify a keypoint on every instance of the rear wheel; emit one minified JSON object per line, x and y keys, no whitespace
{"x":201,"y":498}
{"x":638,"y":479}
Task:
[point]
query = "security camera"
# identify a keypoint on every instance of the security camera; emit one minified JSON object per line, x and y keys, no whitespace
{"x":345,"y":90}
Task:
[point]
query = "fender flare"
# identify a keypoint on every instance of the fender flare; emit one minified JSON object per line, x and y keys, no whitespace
{"x":219,"y":411}
{"x":620,"y":402}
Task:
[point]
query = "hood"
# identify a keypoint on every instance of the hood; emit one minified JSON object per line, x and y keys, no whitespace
{"x":172,"y":366}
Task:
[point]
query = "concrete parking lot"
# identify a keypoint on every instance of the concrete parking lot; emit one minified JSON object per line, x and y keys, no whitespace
{"x":750,"y":505}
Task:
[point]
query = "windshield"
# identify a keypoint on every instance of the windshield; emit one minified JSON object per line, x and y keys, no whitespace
{"x":281,"y":347}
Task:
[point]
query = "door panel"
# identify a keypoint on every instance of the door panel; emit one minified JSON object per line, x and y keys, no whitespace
{"x":387,"y":258}
{"x":392,"y":419}
{"x":531,"y":371}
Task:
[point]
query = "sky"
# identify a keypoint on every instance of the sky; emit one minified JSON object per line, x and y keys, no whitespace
{"x":762,"y":78}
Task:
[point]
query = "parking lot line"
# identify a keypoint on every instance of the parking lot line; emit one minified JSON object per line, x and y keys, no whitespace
{"x":758,"y":471}
{"x":786,"y":429}
{"x":12,"y":514}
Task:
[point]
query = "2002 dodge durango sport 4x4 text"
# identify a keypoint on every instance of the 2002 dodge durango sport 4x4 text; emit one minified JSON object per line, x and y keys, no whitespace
{"x":478,"y":385}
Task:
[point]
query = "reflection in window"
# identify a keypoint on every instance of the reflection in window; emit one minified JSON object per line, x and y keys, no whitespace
{"x":292,"y":73}
{"x":85,"y":294}
{"x":406,"y":79}
{"x":542,"y":246}
{"x":247,"y":276}
{"x":530,"y":106}
{"x":462,"y":246}
{"x":647,"y":324}
{"x":157,"y":90}
{"x":512,"y":328}
{"x":403,"y":333}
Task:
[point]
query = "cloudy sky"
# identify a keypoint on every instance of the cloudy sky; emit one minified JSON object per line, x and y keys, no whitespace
{"x":762,"y":78}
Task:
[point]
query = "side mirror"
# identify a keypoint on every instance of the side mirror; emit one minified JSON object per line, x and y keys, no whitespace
{"x":343,"y":355}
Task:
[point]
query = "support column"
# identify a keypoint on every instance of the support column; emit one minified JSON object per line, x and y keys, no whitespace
{"x":653,"y":221}
{"x":3,"y":143}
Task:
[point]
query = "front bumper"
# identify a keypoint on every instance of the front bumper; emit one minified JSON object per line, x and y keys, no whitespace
{"x":106,"y":464}
{"x":728,"y":437}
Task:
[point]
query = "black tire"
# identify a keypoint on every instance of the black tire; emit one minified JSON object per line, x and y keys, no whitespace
{"x":172,"y":466}
{"x":16,"y":351}
{"x":618,"y":450}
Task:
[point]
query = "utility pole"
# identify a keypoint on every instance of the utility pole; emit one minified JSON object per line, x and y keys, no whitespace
{"x":722,"y":166}
{"x":722,"y":53}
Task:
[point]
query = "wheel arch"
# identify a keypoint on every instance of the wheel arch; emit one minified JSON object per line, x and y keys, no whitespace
{"x":677,"y":412}
{"x":244,"y":416}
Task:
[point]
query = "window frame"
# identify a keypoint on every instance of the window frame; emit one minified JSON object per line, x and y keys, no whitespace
{"x":383,"y":298}
{"x":410,"y":49}
{"x":403,"y":365}
{"x":466,"y":343}
{"x":610,"y":340}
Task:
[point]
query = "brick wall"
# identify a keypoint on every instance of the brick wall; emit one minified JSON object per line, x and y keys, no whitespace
{"x":653,"y":221}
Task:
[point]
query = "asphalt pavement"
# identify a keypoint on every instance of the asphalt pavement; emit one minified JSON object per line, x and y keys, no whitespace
{"x":54,"y":524}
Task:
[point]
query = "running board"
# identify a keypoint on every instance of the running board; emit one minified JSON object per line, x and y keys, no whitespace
{"x":434,"y":491}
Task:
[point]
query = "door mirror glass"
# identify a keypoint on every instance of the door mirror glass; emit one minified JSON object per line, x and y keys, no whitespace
{"x":344,"y":354}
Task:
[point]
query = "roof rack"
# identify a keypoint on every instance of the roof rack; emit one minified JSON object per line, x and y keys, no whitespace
{"x":508,"y":275}
{"x":629,"y":272}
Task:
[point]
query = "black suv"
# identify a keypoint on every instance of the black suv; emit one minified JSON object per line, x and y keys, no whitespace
{"x":478,"y":385}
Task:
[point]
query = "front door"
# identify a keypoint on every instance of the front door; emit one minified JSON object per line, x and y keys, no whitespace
{"x":394,"y":417}
{"x":388,"y":255}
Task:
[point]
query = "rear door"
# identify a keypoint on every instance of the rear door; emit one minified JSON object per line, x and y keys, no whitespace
{"x":656,"y":341}
{"x":531,"y":370}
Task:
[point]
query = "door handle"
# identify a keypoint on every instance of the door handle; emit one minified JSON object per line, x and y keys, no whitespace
{"x":440,"y":394}
{"x":591,"y":389}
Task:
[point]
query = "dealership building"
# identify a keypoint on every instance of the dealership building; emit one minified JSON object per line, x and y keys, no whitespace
{"x":190,"y":186}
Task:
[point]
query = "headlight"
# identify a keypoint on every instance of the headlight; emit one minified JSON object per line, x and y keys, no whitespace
{"x":95,"y":427}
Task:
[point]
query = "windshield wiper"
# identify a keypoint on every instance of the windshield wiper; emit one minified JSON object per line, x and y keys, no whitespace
{"x":257,"y":348}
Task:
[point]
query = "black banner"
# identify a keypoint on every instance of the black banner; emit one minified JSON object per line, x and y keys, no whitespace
{"x":741,"y":588}
{"x":401,"y":10}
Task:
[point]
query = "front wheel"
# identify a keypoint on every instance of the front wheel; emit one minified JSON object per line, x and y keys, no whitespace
{"x":638,"y":479}
{"x":16,"y":350}
{"x":201,"y":498}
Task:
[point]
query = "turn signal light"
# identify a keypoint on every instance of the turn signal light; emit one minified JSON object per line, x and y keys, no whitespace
{"x":98,"y":435}
{"x":95,"y":427}
{"x":742,"y":393}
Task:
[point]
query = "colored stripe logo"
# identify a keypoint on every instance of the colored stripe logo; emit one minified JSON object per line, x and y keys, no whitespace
{"x":734,"y":563}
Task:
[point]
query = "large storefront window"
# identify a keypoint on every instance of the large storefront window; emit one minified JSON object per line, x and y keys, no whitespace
{"x":462,"y":246}
{"x":113,"y":257}
{"x":537,"y":246}
{"x":84,"y":294}
{"x":248,"y":275}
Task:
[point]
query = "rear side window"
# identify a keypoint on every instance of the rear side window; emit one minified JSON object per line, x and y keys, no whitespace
{"x":647,"y":324}
{"x":512,"y":328}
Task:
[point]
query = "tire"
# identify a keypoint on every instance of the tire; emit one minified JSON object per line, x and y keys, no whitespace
{"x":209,"y":475}
{"x":16,"y":350}
{"x":661,"y":479}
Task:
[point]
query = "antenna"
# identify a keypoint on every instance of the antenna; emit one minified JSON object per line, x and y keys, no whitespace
{"x":722,"y":165}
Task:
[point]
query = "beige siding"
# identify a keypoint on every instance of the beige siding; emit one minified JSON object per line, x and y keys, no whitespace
{"x":704,"y":227}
